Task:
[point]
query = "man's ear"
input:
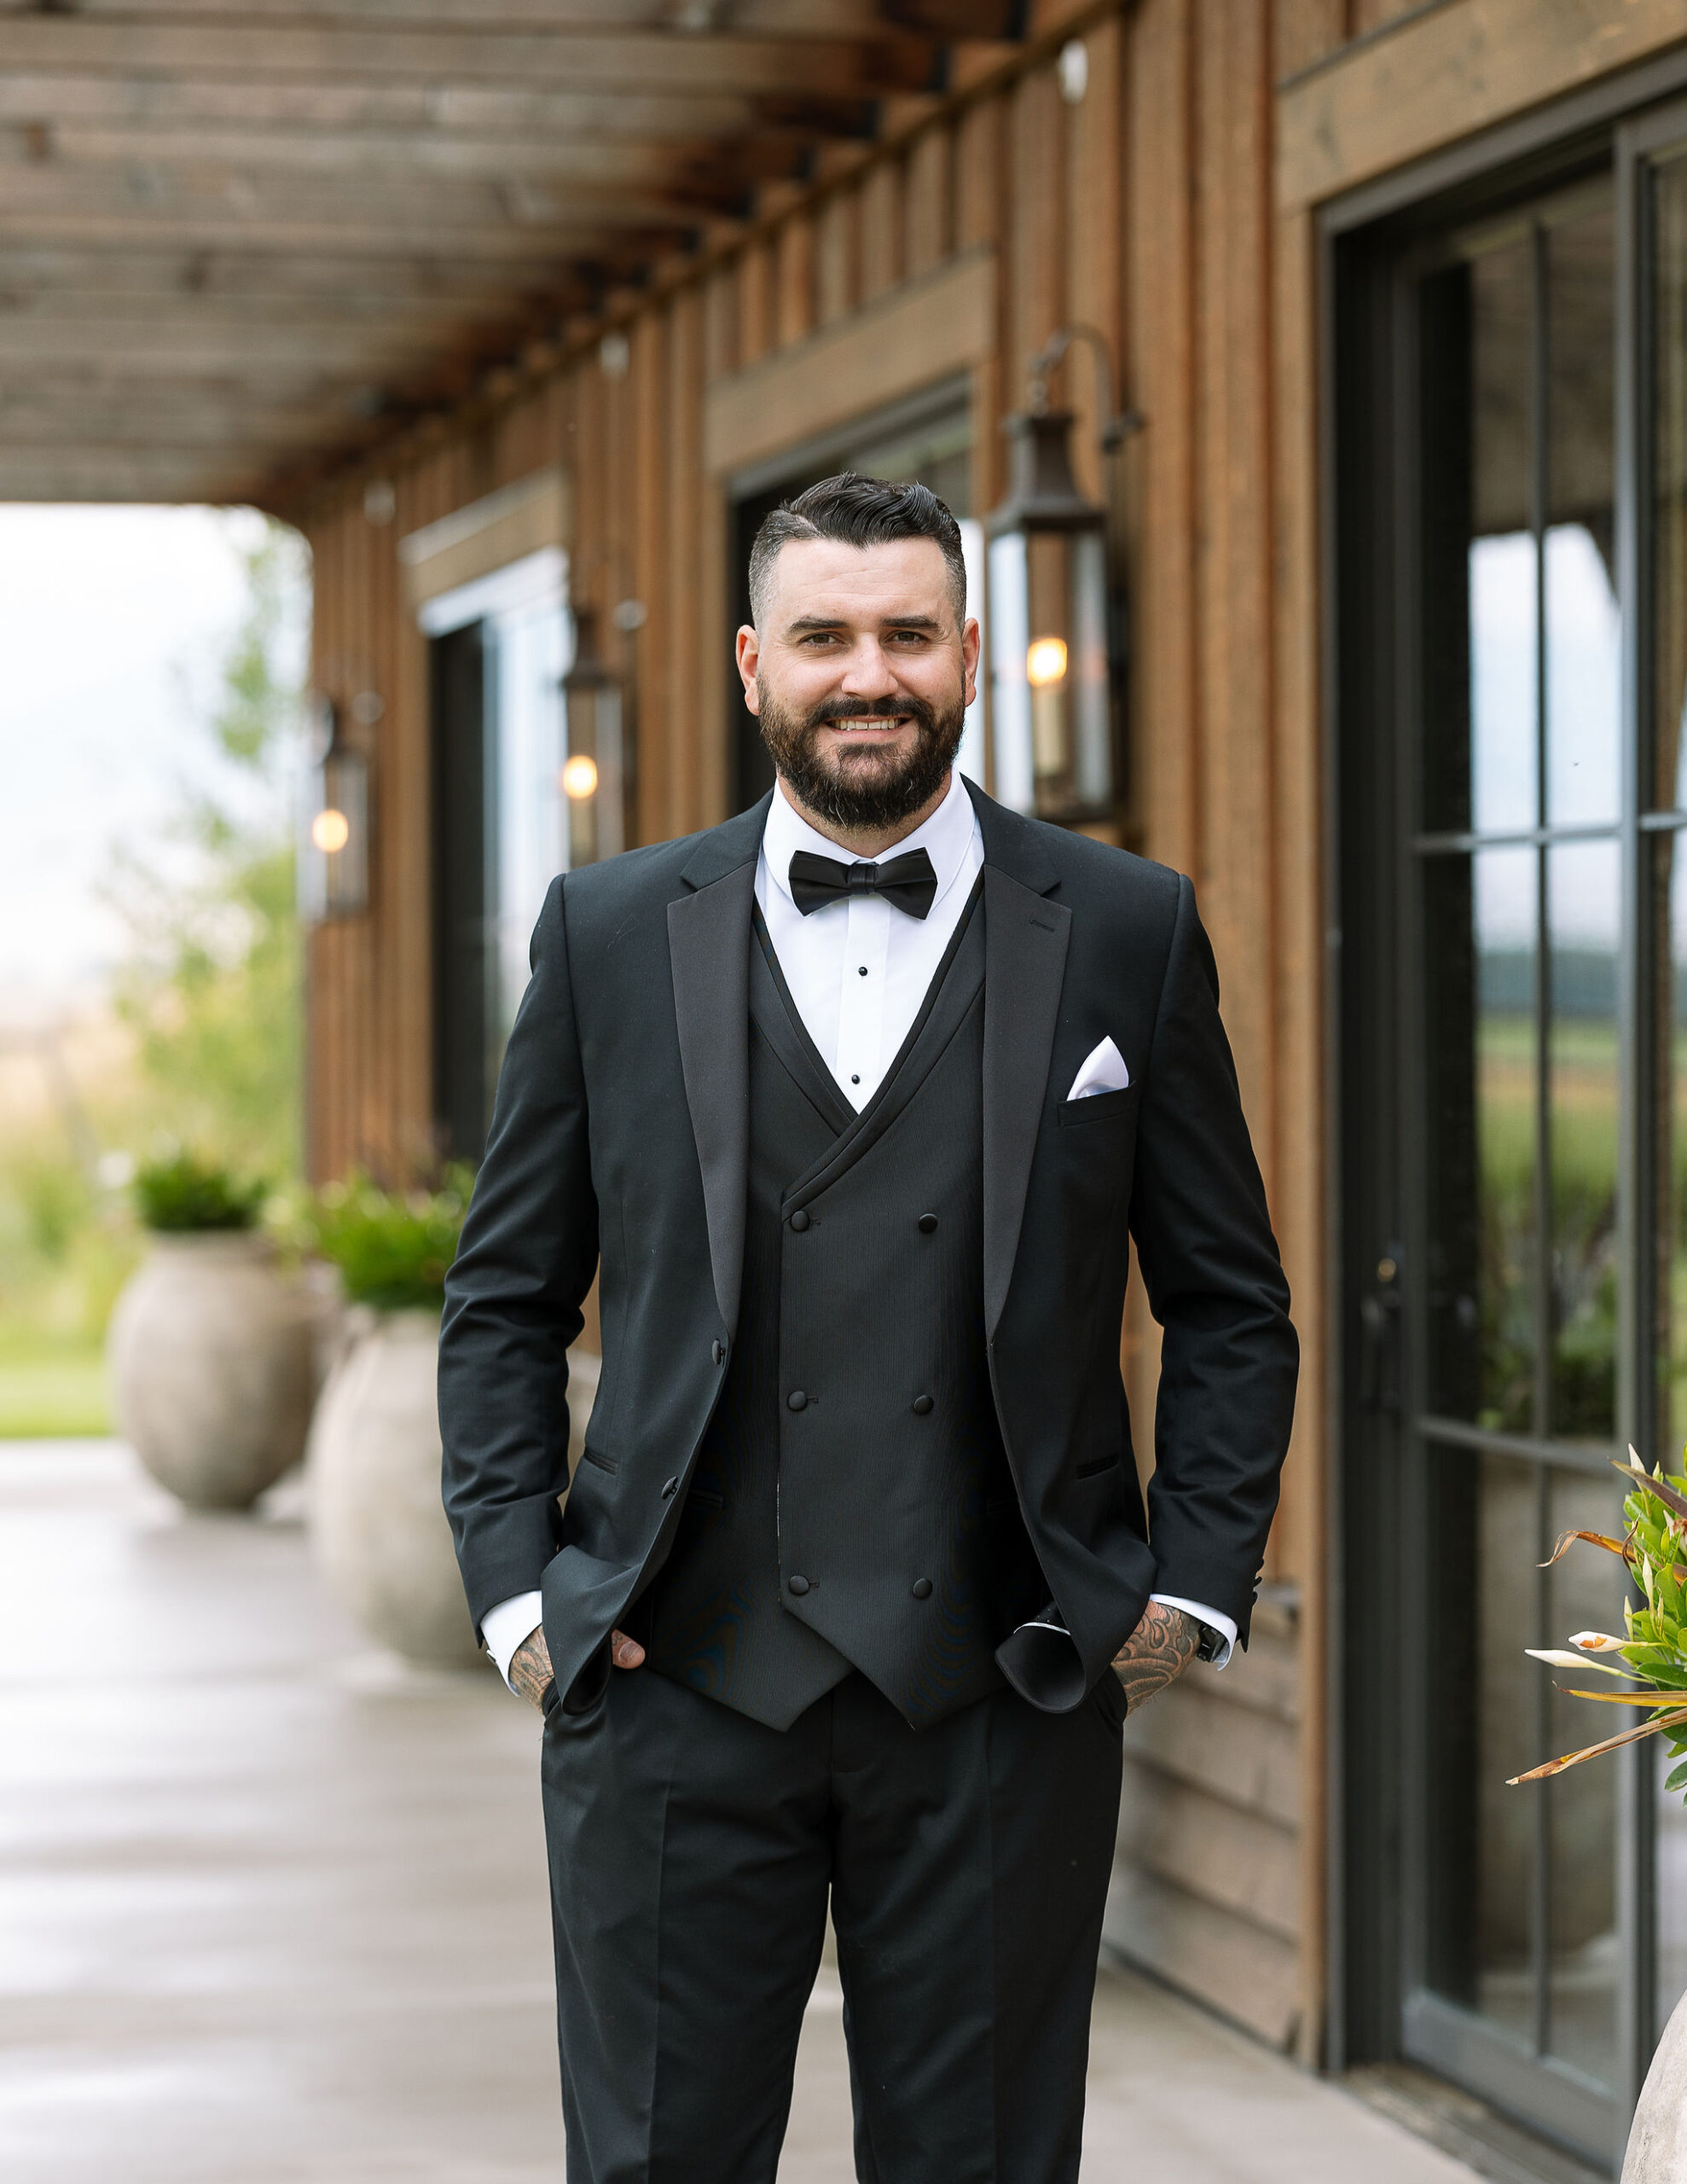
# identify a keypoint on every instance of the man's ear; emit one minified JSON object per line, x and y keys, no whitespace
{"x":749,"y":655}
{"x":969,"y":656}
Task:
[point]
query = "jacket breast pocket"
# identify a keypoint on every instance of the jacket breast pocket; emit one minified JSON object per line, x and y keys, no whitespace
{"x":1097,"y":1108}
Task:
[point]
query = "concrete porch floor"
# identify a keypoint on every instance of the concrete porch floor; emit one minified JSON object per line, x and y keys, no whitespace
{"x":274,"y":1907}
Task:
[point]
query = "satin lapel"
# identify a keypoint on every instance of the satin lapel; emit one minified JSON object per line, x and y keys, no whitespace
{"x":708,"y":951}
{"x":1025,"y":937}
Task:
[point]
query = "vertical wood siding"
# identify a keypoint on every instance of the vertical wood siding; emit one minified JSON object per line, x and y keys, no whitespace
{"x":1144,"y":209}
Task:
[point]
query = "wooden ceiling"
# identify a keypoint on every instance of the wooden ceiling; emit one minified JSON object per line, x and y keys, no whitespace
{"x":243,"y":239}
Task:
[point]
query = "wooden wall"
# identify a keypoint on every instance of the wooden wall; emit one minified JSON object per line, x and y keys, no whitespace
{"x":1145,"y":208}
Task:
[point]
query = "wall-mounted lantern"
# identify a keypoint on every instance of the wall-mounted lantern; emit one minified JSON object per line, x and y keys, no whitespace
{"x":593,"y":776}
{"x":334,"y":871}
{"x":1056,"y":628}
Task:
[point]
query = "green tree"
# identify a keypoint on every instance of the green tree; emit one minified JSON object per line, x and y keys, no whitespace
{"x":211,"y":986}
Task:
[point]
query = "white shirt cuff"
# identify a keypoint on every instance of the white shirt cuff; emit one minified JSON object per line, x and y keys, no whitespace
{"x":1224,"y":1624}
{"x":505,"y":1627}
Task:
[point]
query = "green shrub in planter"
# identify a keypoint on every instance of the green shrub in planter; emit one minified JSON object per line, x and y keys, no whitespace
{"x":391,"y":1250}
{"x":180,"y":1195}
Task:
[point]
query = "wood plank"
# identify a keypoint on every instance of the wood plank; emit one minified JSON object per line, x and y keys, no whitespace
{"x":927,"y":207}
{"x":69,"y":471}
{"x":1432,"y":78}
{"x":756,"y":302}
{"x":1165,"y":752}
{"x":67,"y":97}
{"x":1234,"y":1967}
{"x":1036,"y":256}
{"x":671,"y":168}
{"x":1243,"y":1756}
{"x":1240,"y":1862}
{"x":794,"y":279}
{"x":568,"y":60}
{"x":720,"y":323}
{"x":1305,"y":31}
{"x":1095,"y":253}
{"x":908,"y":339}
{"x":693,"y":646}
{"x":1232,"y":246}
{"x":837,"y":256}
{"x":795,"y":20}
{"x":300,"y":354}
{"x":881,"y":199}
{"x":367,"y":284}
{"x":647,"y":569}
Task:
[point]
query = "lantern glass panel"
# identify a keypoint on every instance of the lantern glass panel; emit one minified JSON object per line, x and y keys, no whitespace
{"x":1053,"y":714}
{"x":595,"y":792}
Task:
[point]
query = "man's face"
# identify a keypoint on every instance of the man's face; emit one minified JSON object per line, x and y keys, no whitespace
{"x":860,"y":675}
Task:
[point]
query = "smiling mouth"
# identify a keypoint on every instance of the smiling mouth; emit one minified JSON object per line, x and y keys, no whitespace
{"x":869,"y":724}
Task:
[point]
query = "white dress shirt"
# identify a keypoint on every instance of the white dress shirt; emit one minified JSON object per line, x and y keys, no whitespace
{"x":858,"y":970}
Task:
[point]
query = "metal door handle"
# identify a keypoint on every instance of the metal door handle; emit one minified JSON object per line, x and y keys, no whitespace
{"x":1379,"y":1338}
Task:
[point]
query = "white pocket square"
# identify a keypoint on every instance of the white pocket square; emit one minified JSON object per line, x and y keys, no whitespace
{"x":1103,"y":1070}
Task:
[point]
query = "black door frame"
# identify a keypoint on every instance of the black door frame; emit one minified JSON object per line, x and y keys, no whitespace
{"x":1362,"y":466}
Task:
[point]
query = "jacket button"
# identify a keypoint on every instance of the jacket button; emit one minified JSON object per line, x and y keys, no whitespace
{"x":922,"y":1588}
{"x":797,"y":1400}
{"x":922,"y":1404}
{"x":670,"y":1488}
{"x":799,"y":1220}
{"x":928,"y":1222}
{"x":718,"y":1353}
{"x":797,"y":1585}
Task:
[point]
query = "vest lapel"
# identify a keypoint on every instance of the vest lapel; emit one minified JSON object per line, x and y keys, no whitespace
{"x":709,"y":954}
{"x":1025,"y":937}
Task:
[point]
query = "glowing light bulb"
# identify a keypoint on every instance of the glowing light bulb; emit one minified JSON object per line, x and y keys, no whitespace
{"x":580,"y":778}
{"x":330,"y":830}
{"x":1045,"y":661}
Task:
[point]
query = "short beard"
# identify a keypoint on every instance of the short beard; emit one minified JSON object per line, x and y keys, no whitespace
{"x":861,"y":790}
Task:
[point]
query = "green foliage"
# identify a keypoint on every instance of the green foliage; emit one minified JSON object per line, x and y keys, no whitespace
{"x":211,"y":986}
{"x":392,"y":1251}
{"x":180,"y":1195}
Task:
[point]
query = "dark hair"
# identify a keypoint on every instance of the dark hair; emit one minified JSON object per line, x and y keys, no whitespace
{"x":858,"y":512}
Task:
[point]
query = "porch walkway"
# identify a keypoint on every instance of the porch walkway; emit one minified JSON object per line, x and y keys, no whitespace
{"x":274,"y":1910}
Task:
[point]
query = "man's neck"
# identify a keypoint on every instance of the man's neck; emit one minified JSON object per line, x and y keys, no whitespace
{"x":866,"y":841}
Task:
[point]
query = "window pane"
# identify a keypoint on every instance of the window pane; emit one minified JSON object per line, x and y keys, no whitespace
{"x":1668,"y":770}
{"x":1583,"y":659}
{"x":1582,"y":899}
{"x":1478,"y":567}
{"x":1584,"y":1592}
{"x":1502,"y":573}
{"x":1481,"y":1036}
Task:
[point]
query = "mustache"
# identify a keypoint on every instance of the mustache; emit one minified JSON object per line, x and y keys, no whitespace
{"x":918,"y":710}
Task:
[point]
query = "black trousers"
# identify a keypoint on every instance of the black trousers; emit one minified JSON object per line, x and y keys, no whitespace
{"x":692,"y":1852}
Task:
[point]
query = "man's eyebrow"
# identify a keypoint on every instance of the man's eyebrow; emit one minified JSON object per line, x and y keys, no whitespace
{"x":805,"y":623}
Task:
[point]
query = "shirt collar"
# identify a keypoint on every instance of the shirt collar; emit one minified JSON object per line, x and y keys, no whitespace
{"x":945,"y":837}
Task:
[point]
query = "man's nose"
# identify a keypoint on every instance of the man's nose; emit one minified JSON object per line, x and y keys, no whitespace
{"x":868,"y":673}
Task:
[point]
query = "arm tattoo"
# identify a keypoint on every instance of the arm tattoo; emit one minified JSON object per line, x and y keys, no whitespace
{"x":1156,"y":1653}
{"x":530,"y":1668}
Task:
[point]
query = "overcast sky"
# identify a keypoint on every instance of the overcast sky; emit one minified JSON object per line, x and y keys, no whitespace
{"x":113,"y":621}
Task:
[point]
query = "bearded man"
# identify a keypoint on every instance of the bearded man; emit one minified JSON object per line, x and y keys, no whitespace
{"x":853,"y":1105}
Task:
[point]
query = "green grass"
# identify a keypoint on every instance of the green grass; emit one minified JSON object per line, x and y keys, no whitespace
{"x":53,"y":1398}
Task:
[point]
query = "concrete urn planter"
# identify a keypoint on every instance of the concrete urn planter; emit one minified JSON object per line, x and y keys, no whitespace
{"x":210,"y":1354}
{"x":1657,"y":2141}
{"x":377,"y":1524}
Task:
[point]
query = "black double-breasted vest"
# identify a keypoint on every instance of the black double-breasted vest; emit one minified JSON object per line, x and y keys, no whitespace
{"x":851,"y":1506}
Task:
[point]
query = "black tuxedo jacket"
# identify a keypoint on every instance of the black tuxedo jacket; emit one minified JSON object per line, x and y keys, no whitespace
{"x":619,"y":1141}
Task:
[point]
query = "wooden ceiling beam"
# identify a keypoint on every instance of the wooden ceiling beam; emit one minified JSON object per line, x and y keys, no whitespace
{"x":72,"y":472}
{"x":576,"y":61}
{"x":715,"y":171}
{"x":147,"y":347}
{"x":792,"y":21}
{"x":360,"y":283}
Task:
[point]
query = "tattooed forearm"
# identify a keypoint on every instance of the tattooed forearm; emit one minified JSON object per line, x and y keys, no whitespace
{"x":531,"y":1668}
{"x":1156,"y":1653}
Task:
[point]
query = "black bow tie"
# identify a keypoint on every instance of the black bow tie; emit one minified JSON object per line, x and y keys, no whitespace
{"x":907,"y":881}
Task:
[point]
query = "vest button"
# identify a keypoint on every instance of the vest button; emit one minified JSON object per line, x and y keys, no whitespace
{"x":797,"y":1400}
{"x":797,"y":1585}
{"x":669,"y":1488}
{"x":928,"y":1222}
{"x":922,"y":1588}
{"x":922,"y":1405}
{"x":718,"y":1351}
{"x":799,"y":1220}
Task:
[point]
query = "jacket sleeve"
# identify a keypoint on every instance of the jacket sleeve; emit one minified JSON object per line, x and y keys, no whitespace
{"x":513,"y":1298}
{"x":1229,"y":1357}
